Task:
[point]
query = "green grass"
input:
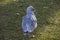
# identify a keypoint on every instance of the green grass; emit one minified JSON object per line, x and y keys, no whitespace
{"x":48,"y":20}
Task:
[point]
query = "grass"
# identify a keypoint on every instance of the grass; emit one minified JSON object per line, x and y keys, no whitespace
{"x":47,"y":13}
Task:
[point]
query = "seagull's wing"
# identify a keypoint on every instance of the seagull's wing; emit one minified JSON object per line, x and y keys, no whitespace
{"x":32,"y":22}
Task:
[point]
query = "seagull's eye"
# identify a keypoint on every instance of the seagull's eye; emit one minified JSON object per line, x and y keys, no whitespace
{"x":32,"y":9}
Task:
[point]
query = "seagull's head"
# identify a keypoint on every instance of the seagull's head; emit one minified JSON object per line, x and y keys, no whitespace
{"x":30,"y":9}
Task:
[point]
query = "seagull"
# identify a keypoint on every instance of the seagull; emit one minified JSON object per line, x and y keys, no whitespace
{"x":29,"y":21}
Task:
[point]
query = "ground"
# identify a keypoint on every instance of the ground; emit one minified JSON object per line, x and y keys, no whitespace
{"x":47,"y":13}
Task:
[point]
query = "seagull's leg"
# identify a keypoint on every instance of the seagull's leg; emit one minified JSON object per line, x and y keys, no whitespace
{"x":25,"y":37}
